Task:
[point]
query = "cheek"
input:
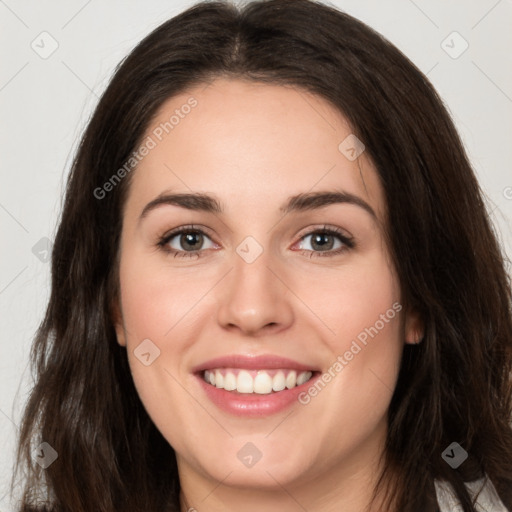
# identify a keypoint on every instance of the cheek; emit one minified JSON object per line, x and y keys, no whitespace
{"x":155,"y":299}
{"x":360,"y":312}
{"x":160,"y":319}
{"x":155,"y":313}
{"x":350,"y":300}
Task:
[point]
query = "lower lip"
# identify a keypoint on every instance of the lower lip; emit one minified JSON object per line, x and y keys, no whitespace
{"x":252,"y":404}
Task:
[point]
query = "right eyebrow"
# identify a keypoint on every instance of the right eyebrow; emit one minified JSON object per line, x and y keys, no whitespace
{"x":190,"y":201}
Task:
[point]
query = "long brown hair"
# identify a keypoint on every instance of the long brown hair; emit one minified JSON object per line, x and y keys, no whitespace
{"x":455,"y":386}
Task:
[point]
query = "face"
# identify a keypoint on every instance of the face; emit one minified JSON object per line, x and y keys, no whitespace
{"x":253,"y":257}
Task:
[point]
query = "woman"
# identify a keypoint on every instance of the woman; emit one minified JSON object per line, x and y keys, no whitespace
{"x":274,"y":284}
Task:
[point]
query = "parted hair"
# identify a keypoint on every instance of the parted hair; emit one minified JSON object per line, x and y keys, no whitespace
{"x":454,"y":386}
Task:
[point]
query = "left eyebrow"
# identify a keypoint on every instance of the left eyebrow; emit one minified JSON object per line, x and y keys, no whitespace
{"x":301,"y":202}
{"x":314,"y":200}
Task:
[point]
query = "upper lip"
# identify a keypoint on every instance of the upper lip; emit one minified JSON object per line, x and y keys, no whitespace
{"x":266,"y":361}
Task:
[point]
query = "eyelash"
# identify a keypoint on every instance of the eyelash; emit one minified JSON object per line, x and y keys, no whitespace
{"x":348,"y":243}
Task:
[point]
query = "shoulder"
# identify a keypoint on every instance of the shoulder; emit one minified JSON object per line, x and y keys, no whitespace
{"x":488,"y":500}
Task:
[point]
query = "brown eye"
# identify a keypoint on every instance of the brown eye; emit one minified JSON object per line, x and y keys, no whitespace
{"x":191,"y":241}
{"x":322,"y":241}
{"x":328,"y":241}
{"x":186,"y":242}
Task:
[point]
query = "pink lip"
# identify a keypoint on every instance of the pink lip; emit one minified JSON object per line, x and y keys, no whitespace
{"x":253,"y":363}
{"x":253,"y":405}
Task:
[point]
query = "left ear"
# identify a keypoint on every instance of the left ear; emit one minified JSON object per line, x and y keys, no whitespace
{"x":414,"y":327}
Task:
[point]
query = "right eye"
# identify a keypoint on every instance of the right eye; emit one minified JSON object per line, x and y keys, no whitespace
{"x":185,"y":242}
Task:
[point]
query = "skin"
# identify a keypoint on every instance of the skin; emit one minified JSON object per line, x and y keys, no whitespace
{"x":252,"y":146}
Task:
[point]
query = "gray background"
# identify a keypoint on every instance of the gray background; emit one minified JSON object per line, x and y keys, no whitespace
{"x":46,"y":100}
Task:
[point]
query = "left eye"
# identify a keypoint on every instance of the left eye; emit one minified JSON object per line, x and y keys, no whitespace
{"x":322,"y":241}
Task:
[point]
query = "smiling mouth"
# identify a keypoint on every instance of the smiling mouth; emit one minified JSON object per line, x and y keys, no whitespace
{"x":261,"y":382}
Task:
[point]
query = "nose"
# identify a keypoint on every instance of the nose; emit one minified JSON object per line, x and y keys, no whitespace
{"x":254,"y":298}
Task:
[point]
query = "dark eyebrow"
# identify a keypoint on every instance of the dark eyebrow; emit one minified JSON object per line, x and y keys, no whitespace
{"x":191,"y":201}
{"x":301,"y":202}
{"x":314,"y":200}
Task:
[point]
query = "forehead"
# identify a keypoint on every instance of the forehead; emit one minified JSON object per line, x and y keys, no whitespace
{"x":251,"y":143}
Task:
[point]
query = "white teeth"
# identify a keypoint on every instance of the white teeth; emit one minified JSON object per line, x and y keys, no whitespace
{"x":291,"y":380}
{"x":219,"y":379}
{"x":229,"y":382}
{"x":262,"y":383}
{"x":244,"y":382}
{"x":278,"y":382}
{"x":303,"y":377}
